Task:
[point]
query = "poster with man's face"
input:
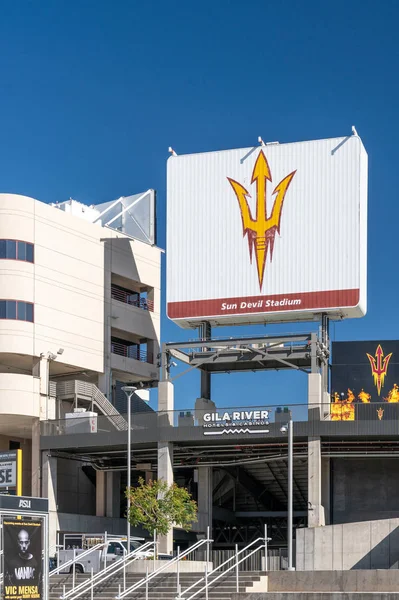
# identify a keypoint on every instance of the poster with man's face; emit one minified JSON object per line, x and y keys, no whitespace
{"x":22,"y":560}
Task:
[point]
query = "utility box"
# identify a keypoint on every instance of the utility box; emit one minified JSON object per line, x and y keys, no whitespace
{"x":81,"y":421}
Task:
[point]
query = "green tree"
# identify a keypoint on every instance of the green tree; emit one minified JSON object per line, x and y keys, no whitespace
{"x":155,"y":506}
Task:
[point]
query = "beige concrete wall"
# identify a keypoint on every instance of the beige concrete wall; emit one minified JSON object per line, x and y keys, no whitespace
{"x":68,"y":282}
{"x":143,"y":323}
{"x":365,"y":545}
{"x":130,"y":365}
{"x":374,"y":580}
{"x":19,"y":395}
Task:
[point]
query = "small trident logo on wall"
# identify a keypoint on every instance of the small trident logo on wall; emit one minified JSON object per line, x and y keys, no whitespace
{"x":261,"y":231}
{"x":380,"y":413}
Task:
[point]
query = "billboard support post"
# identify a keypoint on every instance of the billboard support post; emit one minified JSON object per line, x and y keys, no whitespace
{"x":205,"y":333}
{"x":325,"y":340}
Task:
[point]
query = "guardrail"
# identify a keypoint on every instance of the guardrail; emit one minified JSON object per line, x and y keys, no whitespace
{"x":319,"y":420}
{"x":132,"y":299}
{"x":77,"y":557}
{"x":149,"y":577}
{"x":207,"y":579}
{"x":102,"y":576}
{"x":134,"y":352}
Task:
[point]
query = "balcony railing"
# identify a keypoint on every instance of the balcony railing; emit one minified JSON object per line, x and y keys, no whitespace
{"x":135,"y":352}
{"x":131,"y":298}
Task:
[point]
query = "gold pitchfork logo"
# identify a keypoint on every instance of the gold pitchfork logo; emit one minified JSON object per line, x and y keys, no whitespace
{"x":261,"y":231}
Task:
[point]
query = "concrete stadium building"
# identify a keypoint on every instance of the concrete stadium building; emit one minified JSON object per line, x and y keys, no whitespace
{"x":79,"y":316}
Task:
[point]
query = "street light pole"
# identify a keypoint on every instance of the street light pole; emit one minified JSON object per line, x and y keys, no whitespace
{"x":288,"y":428}
{"x":129,"y":391}
{"x":290,"y":491}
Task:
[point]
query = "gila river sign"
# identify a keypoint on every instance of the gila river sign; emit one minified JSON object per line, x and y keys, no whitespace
{"x":236,"y":422}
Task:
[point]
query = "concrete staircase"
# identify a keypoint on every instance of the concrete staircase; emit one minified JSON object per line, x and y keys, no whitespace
{"x":162,"y":587}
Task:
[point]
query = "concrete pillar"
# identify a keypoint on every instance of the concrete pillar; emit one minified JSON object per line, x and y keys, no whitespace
{"x":315,"y":510}
{"x":41,"y":369}
{"x":315,"y":507}
{"x":100,"y":493}
{"x":165,"y":472}
{"x":36,"y":471}
{"x":205,"y":499}
{"x":113,"y":486}
{"x":105,"y":379}
{"x":165,"y":452}
{"x":166,"y":398}
{"x":314,"y":396}
{"x":49,"y":490}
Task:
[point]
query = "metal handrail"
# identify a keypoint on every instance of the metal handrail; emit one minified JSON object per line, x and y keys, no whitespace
{"x":134,"y":352}
{"x":132,"y":298}
{"x":70,"y":562}
{"x":103,"y":575}
{"x":145,"y":580}
{"x":223,"y":573}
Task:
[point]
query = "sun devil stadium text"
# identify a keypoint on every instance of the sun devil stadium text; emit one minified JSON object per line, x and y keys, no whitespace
{"x":262,"y":304}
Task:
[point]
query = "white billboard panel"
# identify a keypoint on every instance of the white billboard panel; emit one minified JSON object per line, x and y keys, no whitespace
{"x":270,"y":233}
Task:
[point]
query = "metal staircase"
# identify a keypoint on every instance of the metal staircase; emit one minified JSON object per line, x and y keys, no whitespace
{"x":89,"y":394}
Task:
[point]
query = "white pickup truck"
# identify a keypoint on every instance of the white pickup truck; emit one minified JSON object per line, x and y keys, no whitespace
{"x":113,"y":549}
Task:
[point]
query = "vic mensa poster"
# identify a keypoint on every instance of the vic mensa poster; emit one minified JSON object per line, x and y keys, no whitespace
{"x":22,"y":560}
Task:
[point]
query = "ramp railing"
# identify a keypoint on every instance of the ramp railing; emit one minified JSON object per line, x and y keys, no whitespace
{"x":112,"y":569}
{"x":239,"y":557}
{"x":144,"y":582}
{"x":77,"y":558}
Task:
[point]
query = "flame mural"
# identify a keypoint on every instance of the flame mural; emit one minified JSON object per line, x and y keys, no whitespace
{"x":364,"y":373}
{"x":343,"y":409}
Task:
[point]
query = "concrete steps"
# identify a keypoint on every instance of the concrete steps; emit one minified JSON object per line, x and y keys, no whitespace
{"x":163,"y":587}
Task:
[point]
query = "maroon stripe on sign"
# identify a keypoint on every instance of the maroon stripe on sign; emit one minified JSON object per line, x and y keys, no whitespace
{"x":263,"y":304}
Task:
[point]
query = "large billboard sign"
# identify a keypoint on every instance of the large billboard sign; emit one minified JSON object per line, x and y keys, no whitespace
{"x":365,"y":380}
{"x":270,"y":233}
{"x":23,"y":562}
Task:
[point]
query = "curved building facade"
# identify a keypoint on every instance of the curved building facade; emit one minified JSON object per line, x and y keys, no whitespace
{"x":79,"y":316}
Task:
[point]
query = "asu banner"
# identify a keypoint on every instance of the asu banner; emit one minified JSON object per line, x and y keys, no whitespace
{"x":23,"y":567}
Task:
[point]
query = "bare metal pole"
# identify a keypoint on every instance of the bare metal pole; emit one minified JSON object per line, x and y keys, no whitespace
{"x":129,"y":391}
{"x":129,"y":464}
{"x":290,"y":491}
{"x":237,"y":582}
{"x":178,"y":590}
{"x":74,"y":569}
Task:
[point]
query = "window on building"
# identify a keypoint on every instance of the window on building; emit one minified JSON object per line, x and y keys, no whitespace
{"x":16,"y":250}
{"x":14,"y":445}
{"x":16,"y":309}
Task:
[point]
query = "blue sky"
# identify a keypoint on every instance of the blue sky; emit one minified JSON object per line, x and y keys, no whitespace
{"x":93,"y":93}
